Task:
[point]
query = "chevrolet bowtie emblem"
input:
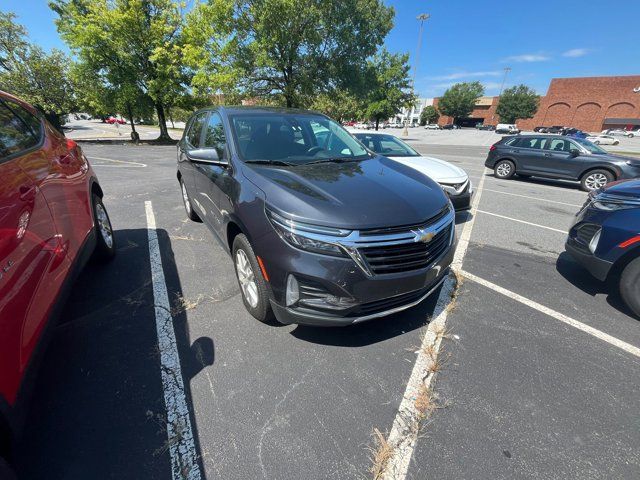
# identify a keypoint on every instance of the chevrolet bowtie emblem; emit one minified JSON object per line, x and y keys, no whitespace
{"x":423,"y":236}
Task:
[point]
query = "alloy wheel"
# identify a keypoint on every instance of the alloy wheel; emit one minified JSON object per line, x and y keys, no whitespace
{"x":595,"y":181}
{"x":504,"y":169}
{"x":247,"y":278}
{"x":104,"y":225}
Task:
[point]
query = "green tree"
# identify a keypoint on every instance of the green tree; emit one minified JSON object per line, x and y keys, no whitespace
{"x":32,"y":74}
{"x":135,"y":46}
{"x":388,"y":83}
{"x":429,"y":114}
{"x":459,"y":100}
{"x":517,"y":102}
{"x":284,"y":49}
{"x":340,"y":105}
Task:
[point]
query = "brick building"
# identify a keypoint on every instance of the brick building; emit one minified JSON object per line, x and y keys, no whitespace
{"x":588,"y":103}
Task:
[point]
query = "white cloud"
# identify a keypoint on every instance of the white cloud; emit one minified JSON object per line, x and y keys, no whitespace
{"x":460,"y":75}
{"x":527,"y":57}
{"x":576,"y":52}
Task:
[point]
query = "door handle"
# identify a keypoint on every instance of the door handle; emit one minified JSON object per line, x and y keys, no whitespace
{"x":548,"y":155}
{"x":515,"y":151}
{"x":27,"y":193}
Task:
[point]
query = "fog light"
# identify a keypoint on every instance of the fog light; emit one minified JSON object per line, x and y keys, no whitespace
{"x":593,"y":244}
{"x":293,"y":291}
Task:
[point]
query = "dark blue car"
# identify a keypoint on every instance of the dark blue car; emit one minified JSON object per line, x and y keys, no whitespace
{"x":605,"y":238}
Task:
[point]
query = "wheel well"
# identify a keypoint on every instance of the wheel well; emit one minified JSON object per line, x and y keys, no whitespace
{"x":179,"y":175}
{"x":623,"y":261}
{"x":233,"y":230}
{"x":613,"y":174}
{"x":95,"y":188}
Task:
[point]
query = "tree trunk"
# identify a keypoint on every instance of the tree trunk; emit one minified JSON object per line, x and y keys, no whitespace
{"x":162,"y":123}
{"x":130,"y":112}
{"x":377,"y":123}
{"x":289,"y":101}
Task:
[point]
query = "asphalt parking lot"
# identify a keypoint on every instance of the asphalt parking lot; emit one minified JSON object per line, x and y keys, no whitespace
{"x":539,"y":374}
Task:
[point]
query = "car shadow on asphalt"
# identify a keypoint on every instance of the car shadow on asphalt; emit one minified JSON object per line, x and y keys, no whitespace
{"x":575,"y":274}
{"x":373,"y":331}
{"x":98,"y":408}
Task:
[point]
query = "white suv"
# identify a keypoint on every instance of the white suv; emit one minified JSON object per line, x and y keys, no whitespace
{"x":507,"y":128}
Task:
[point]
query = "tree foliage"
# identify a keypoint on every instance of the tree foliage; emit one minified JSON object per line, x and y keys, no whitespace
{"x":517,"y":102}
{"x":134,"y":48}
{"x":429,"y":114}
{"x":388,"y":84}
{"x":32,"y":74}
{"x":286,"y":49}
{"x":459,"y":100}
{"x":340,"y":105}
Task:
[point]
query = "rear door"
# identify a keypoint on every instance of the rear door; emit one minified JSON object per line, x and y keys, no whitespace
{"x":528,"y":153}
{"x":31,"y":257}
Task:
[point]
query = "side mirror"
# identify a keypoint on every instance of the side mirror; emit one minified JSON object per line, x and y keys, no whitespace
{"x":574,"y":153}
{"x":206,"y":155}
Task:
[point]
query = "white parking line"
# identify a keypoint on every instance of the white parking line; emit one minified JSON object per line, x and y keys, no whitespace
{"x":120,"y":163}
{"x":522,"y":221}
{"x":532,"y":198}
{"x":633,"y":350}
{"x":184,"y":462}
{"x":404,"y":434}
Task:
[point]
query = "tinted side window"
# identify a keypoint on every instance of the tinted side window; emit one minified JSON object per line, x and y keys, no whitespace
{"x":214,"y":136}
{"x":535,"y":143}
{"x":193,"y":135}
{"x":559,"y":145}
{"x":19,"y":129}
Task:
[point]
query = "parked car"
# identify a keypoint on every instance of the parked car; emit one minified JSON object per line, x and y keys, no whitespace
{"x":574,"y":132}
{"x":508,"y":128}
{"x":482,"y":126}
{"x":321,"y":231}
{"x":114,"y":120}
{"x":453,"y":180}
{"x":540,"y":129}
{"x":603,"y":140}
{"x":450,"y":126}
{"x":605,"y":238}
{"x":52,"y":219}
{"x":556,"y":129}
{"x":619,"y":132}
{"x":361,"y":126}
{"x":558,"y":157}
{"x":432,"y":126}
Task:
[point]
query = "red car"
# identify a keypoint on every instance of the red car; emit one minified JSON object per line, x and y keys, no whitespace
{"x":52,"y":220}
{"x":112,"y":120}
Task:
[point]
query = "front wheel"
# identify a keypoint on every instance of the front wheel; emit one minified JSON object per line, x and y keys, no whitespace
{"x":253,"y":286}
{"x":191,"y":214}
{"x":504,"y":169}
{"x":595,"y":179}
{"x":630,"y":285}
{"x":105,"y":240}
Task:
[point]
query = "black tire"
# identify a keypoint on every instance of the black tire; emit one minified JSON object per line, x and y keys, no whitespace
{"x":6,"y":472}
{"x":186,"y":200}
{"x":105,"y":239}
{"x":630,"y":286}
{"x":504,"y":169}
{"x":594,"y":179}
{"x":258,"y":307}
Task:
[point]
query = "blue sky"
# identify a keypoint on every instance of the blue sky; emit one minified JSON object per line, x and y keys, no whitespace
{"x":468,"y":40}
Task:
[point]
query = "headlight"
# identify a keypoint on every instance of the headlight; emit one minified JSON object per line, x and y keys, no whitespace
{"x":610,"y":203}
{"x":313,"y":238}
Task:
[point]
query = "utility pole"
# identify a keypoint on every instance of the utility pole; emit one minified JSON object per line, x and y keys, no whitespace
{"x":504,"y":79}
{"x":422,"y":17}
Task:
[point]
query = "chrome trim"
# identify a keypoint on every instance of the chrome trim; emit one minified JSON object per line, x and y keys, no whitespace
{"x":450,"y":189}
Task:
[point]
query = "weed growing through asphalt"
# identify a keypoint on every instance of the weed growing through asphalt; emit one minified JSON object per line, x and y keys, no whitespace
{"x":381,"y":453}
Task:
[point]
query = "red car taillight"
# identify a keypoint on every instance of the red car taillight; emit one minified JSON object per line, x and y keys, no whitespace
{"x":492,"y":148}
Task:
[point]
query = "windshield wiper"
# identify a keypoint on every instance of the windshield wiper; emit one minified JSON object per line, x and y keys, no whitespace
{"x":336,"y":160}
{"x":270,"y":162}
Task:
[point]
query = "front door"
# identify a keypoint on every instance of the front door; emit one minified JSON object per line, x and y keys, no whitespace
{"x":561,"y":158}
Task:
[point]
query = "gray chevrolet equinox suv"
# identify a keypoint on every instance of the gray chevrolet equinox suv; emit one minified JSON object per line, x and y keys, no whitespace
{"x":320,"y":230}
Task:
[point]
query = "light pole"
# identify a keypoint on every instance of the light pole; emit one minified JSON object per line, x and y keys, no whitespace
{"x":504,"y":79}
{"x":422,"y":17}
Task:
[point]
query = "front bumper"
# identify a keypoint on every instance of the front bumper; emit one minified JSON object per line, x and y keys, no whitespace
{"x":596,"y":266}
{"x":462,"y":201}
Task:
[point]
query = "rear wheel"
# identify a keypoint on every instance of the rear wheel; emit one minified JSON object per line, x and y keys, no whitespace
{"x":253,"y":286}
{"x":595,"y":179}
{"x":105,"y":240}
{"x":630,"y":285}
{"x":504,"y":169}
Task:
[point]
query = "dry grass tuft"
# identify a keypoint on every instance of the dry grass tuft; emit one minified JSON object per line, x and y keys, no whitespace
{"x":425,"y":403}
{"x":381,"y":453}
{"x":183,"y":304}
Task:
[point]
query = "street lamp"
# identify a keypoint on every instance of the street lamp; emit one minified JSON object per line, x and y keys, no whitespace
{"x":422,"y":17}
{"x":504,"y":79}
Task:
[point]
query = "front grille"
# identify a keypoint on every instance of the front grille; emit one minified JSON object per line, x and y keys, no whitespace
{"x":404,"y":257}
{"x":585,"y":232}
{"x":406,"y":228}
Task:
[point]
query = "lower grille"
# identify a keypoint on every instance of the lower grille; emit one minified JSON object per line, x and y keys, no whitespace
{"x":585,"y":232}
{"x":405,"y":257}
{"x":389,"y":303}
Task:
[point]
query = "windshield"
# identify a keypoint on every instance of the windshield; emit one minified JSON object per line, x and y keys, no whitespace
{"x":589,"y":146}
{"x":386,"y":145}
{"x":290,"y":138}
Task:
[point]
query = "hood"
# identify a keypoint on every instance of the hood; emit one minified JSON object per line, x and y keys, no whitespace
{"x":354,"y":195}
{"x":439,"y":170}
{"x":626,"y":188}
